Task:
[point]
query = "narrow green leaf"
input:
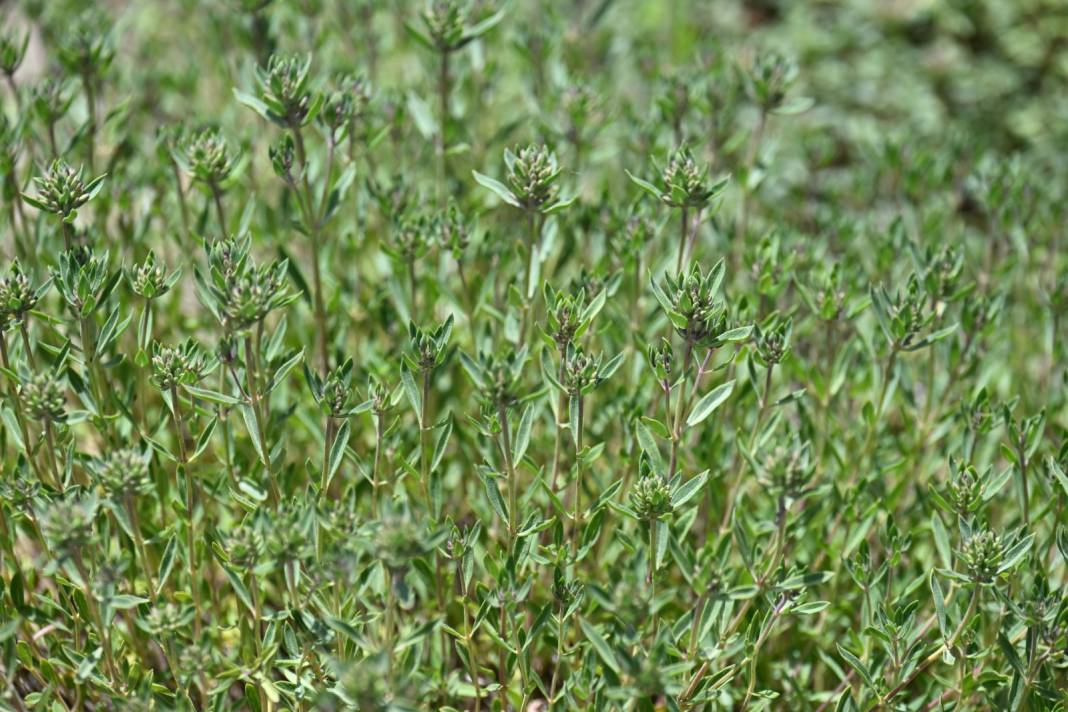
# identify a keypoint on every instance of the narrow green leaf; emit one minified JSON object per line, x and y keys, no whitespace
{"x":495,"y":498}
{"x":166,"y":564}
{"x":481,"y":28}
{"x":1009,"y":651}
{"x":337,"y":452}
{"x":415,"y":398}
{"x":649,"y":446}
{"x":212,"y":396}
{"x":421,"y":115}
{"x":857,"y":665}
{"x":796,"y":105}
{"x":941,"y":538}
{"x":417,"y":35}
{"x":283,"y":370}
{"x":416,"y":635}
{"x":709,"y":402}
{"x":573,"y":417}
{"x":253,"y":103}
{"x":940,"y":606}
{"x":645,"y":185}
{"x":441,"y":445}
{"x":253,"y":428}
{"x":600,"y":645}
{"x":812,"y":578}
{"x":498,"y":188}
{"x":684,"y":493}
{"x":123,"y":602}
{"x":593,"y":309}
{"x":239,"y":588}
{"x":1015,"y":553}
{"x":474,"y":371}
{"x":560,"y":205}
{"x":205,"y":438}
{"x":1058,"y":474}
{"x":522,"y":435}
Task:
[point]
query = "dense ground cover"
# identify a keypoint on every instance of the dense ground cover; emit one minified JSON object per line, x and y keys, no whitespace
{"x":583,"y":354}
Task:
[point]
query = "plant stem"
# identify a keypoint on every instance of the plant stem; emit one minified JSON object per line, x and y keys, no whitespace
{"x":695,"y":627}
{"x":1025,"y":498}
{"x":472,"y":650}
{"x":216,"y":195}
{"x":773,"y":564}
{"x":513,"y":486}
{"x":684,"y":230}
{"x":767,"y":386}
{"x":251,"y":376}
{"x":20,"y":418}
{"x":328,"y":442}
{"x":321,"y":333}
{"x":521,"y":663}
{"x":676,"y":423}
{"x":254,"y":592}
{"x":92,"y":365}
{"x":14,"y":91}
{"x":257,"y":635}
{"x":376,"y":468}
{"x":313,"y":223}
{"x":930,"y":659}
{"x":139,"y":541}
{"x":68,"y":235}
{"x":183,"y":208}
{"x":25,"y":333}
{"x":502,"y":653}
{"x":577,"y":485}
{"x":50,"y":436}
{"x":190,"y":504}
{"x":469,"y":308}
{"x":754,"y":656}
{"x":650,"y":577}
{"x":561,"y":405}
{"x":388,"y":633}
{"x":224,"y":417}
{"x":412,"y":285}
{"x":750,"y":162}
{"x":424,"y":441}
{"x":534,"y":226}
{"x":888,"y":374}
{"x":94,"y":612}
{"x":443,"y":97}
{"x":559,"y":657}
{"x":90,"y":134}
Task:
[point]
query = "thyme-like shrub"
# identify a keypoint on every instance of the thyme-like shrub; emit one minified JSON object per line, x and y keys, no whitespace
{"x":583,"y":354}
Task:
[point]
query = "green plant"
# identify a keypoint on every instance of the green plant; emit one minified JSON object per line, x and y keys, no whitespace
{"x":300,"y":410}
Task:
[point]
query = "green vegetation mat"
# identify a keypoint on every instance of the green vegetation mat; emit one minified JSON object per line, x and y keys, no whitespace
{"x":534,"y":355}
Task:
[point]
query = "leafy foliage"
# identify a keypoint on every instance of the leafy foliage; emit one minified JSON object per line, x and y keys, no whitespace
{"x":441,"y":355}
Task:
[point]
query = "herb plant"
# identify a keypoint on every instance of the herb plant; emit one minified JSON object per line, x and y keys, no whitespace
{"x":475,"y":355}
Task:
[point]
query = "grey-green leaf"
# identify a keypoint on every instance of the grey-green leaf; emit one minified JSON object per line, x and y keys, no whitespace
{"x":498,"y":188}
{"x":686,"y":491}
{"x":522,"y":436}
{"x":709,"y":402}
{"x":600,"y":645}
